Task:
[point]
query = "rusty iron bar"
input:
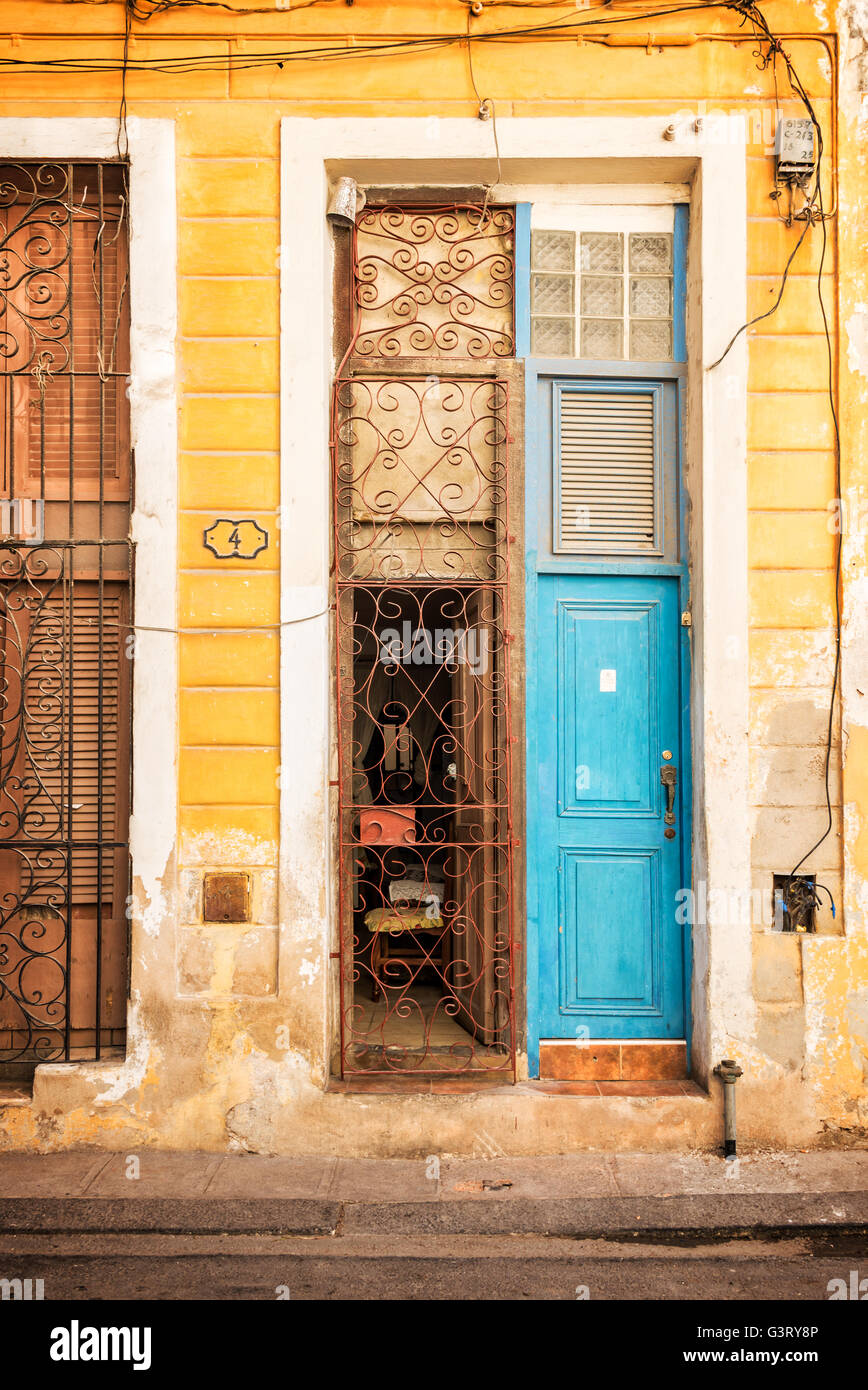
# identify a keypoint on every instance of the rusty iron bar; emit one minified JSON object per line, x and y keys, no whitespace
{"x":63,"y":362}
{"x":420,"y":498}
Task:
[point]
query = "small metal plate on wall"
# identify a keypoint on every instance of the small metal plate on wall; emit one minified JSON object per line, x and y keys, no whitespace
{"x":226,"y":898}
{"x":235,"y":540}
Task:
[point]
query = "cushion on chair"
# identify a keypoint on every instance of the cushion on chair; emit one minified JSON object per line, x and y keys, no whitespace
{"x":395,"y":920}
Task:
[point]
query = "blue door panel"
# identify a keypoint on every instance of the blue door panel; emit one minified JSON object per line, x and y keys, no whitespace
{"x":596,"y":637}
{"x":610,"y":954}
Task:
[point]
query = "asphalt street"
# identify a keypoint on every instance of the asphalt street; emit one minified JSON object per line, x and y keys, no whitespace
{"x":367,"y":1266}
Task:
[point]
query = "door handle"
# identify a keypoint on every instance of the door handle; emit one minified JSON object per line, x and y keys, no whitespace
{"x":669,"y":778}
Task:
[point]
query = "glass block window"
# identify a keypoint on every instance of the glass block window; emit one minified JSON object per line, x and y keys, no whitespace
{"x":553,"y":294}
{"x":602,"y":295}
{"x":602,"y":273}
{"x":650,"y":296}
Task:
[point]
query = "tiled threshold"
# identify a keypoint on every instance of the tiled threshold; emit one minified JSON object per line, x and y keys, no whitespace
{"x":468,"y":1085}
{"x":15,"y":1093}
{"x":613,"y":1060}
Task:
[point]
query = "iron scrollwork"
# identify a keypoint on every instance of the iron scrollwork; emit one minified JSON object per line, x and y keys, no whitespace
{"x":435,"y":282}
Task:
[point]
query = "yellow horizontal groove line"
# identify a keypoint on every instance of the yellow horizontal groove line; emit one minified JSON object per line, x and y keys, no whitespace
{"x":235,"y":747}
{"x":808,"y":748}
{"x":813,"y":333}
{"x":246,"y":338}
{"x":792,"y":690}
{"x":246,"y":221}
{"x":794,"y":806}
{"x":274,"y":511}
{"x":274,"y":277}
{"x":638,"y":37}
{"x":230,"y":806}
{"x":263,"y":863}
{"x":754,"y":332}
{"x":233,"y":688}
{"x":280,"y":104}
{"x":775,"y":275}
{"x":244,"y":218}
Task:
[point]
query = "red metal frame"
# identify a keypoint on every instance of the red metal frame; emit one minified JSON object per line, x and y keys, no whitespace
{"x":420,"y":495}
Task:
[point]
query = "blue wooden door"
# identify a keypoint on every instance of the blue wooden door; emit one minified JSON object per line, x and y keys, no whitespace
{"x":610,"y":947}
{"x":608,"y":735}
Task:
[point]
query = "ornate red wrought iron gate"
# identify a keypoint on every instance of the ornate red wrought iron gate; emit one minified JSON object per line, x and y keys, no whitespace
{"x":420,"y":442}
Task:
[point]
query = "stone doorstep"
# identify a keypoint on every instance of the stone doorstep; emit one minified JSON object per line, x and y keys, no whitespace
{"x":15,"y":1094}
{"x":613,"y":1060}
{"x":392,"y":1086}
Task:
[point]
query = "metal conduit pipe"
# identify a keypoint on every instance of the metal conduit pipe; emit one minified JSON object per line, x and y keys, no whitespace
{"x":729,"y":1071}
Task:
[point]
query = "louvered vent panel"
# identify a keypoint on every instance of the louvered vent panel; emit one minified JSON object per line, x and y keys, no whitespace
{"x":606,"y":471}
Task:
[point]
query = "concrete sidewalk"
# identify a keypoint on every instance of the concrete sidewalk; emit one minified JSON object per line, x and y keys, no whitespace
{"x":159,"y":1173}
{"x":180,"y":1192}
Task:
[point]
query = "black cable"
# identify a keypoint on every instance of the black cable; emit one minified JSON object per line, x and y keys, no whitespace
{"x":750,"y":323}
{"x":340,"y":52}
{"x":123,"y":144}
{"x":838,"y":547}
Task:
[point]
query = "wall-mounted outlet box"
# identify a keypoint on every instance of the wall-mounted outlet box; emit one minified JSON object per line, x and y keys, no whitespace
{"x":793,"y":898}
{"x":226,"y":898}
{"x":794,"y":148}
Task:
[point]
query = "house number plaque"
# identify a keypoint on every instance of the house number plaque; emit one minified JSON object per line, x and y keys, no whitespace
{"x":235,"y":540}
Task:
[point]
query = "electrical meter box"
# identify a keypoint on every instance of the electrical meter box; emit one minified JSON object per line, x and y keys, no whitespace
{"x":794,"y":148}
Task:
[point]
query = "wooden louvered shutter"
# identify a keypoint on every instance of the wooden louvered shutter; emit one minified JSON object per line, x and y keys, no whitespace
{"x":90,"y":390}
{"x":607,"y":470}
{"x":70,"y":648}
{"x":96,"y":706}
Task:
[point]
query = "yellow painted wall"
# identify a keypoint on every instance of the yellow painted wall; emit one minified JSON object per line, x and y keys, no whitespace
{"x":227,"y":133}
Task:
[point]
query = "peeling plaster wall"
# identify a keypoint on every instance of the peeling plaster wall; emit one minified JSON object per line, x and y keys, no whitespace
{"x":231,"y":1028}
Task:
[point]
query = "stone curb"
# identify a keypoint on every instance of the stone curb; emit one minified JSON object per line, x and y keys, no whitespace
{"x":169,"y":1215}
{"x":716,"y":1217}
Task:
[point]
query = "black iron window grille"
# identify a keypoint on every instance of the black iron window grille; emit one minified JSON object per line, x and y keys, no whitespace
{"x":66,"y":570}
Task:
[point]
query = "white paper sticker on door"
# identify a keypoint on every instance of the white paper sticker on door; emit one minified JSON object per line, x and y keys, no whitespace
{"x":607,"y":680}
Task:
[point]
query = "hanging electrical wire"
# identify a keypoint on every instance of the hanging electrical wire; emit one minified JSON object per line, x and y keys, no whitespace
{"x":813,"y":213}
{"x":769,"y":52}
{"x":340,"y":51}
